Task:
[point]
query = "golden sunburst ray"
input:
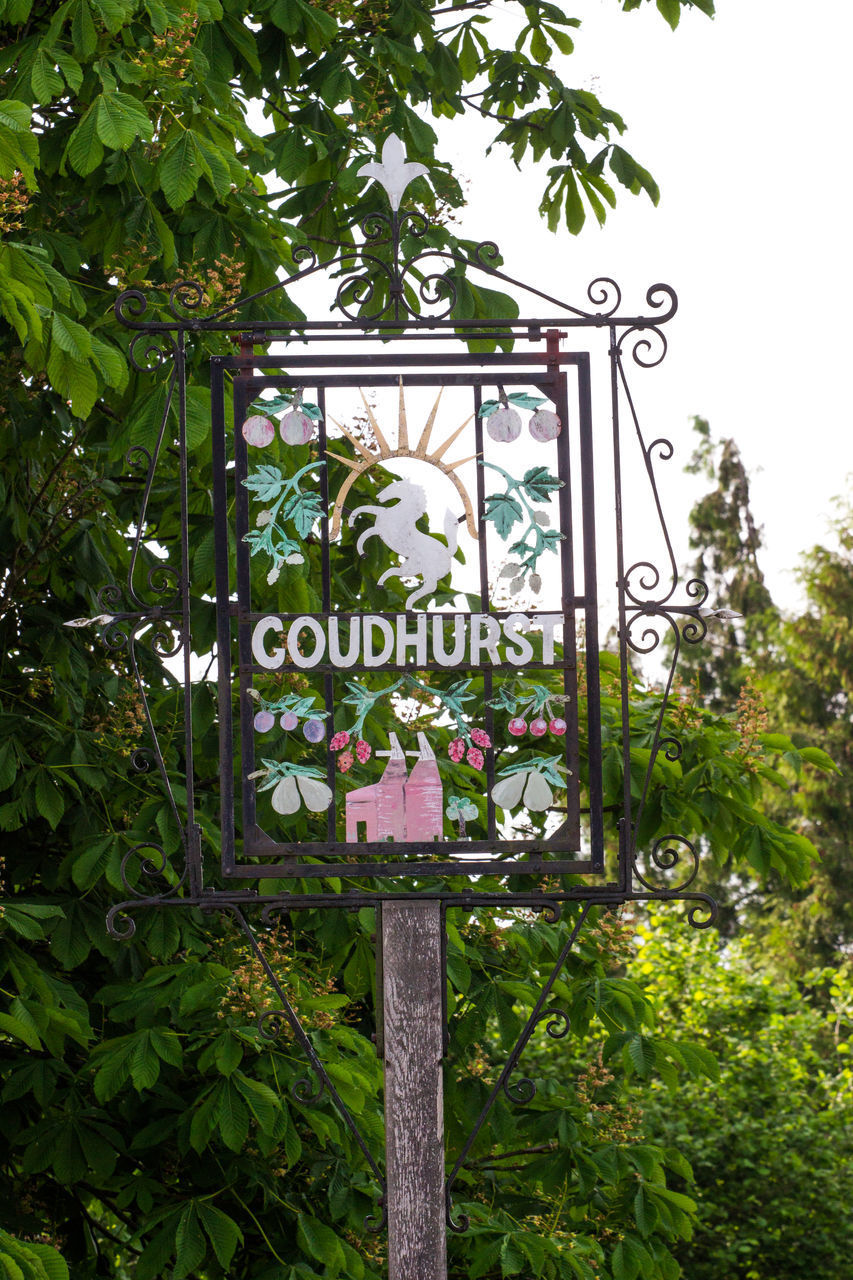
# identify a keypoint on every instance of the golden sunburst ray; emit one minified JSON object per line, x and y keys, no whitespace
{"x":353,"y":439}
{"x":383,"y":453}
{"x":423,"y":443}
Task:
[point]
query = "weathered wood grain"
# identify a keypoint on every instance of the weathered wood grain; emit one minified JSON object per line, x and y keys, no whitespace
{"x":412,"y":977}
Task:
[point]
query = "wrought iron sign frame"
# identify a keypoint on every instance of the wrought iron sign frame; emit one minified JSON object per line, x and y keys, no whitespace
{"x":416,"y":300}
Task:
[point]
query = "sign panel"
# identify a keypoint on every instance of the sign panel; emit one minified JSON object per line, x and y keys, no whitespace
{"x":403,"y":557}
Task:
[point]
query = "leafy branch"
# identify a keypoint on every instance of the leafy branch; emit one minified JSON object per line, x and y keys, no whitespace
{"x":517,"y":698}
{"x":289,"y":503}
{"x":452,"y":700}
{"x":508,"y":509}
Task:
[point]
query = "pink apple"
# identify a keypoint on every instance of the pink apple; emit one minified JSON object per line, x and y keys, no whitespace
{"x":296,"y":427}
{"x":504,"y":425}
{"x":258,"y":430}
{"x":545,"y":425}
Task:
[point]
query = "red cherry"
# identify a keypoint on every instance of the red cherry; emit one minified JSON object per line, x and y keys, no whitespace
{"x":517,"y":726}
{"x":538,"y":727}
{"x":558,"y":727}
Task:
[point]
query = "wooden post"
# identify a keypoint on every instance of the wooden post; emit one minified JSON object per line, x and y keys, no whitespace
{"x":413,"y":1043}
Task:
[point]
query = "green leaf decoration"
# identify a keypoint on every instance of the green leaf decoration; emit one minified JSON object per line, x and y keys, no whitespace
{"x":266,"y":483}
{"x":539,"y":484}
{"x":487,"y":408}
{"x":523,"y":401}
{"x":551,"y":768}
{"x":504,"y":512}
{"x":304,"y":509}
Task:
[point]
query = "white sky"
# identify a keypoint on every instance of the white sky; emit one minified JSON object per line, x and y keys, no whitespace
{"x":743,"y":122}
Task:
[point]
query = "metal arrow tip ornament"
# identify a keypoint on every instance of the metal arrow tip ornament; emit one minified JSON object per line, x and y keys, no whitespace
{"x":395,"y":172}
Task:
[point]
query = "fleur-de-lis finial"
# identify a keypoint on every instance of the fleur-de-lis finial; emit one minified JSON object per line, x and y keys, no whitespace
{"x":395,"y":172}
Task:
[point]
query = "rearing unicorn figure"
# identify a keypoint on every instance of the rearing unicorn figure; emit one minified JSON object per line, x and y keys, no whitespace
{"x":423,"y":556}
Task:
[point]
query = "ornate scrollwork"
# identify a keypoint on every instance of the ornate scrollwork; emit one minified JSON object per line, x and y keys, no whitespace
{"x":520,"y":1092}
{"x":376,"y":228}
{"x":435,"y":289}
{"x":523,"y":1090}
{"x":303,"y":253}
{"x":142,"y":759}
{"x":374,"y":1223}
{"x":159,"y":351}
{"x":120,"y":926}
{"x":460,"y":1224}
{"x":662,"y":295}
{"x":271,"y":1024}
{"x":130,"y":306}
{"x":641,"y":581}
{"x":303,"y":1091}
{"x":486,"y":255}
{"x":558,"y":1024}
{"x":665,"y":855}
{"x":648,"y":345}
{"x":415,"y":223}
{"x":186,"y":295}
{"x":356,"y":291}
{"x":605,"y":295}
{"x":704,"y":911}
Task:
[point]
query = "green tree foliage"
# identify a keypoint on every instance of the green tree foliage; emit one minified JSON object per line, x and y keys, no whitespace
{"x":770,"y":1144}
{"x":129,"y":153}
{"x":728,"y":541}
{"x":810,"y":680}
{"x":149,"y":1130}
{"x":799,"y":663}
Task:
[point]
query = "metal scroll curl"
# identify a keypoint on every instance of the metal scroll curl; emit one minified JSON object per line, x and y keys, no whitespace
{"x":120,"y":924}
{"x":416,"y":289}
{"x":271,"y":1024}
{"x":167,"y":640}
{"x":523,"y":1090}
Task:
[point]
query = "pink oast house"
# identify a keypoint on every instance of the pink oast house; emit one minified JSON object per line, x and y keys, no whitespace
{"x":423,"y":797}
{"x":380,"y":808}
{"x":399,"y":806}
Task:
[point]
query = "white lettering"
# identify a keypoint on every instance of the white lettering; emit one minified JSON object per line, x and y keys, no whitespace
{"x":337,"y":658}
{"x":312,"y":625}
{"x":416,"y":639}
{"x":371,"y":658}
{"x":269,"y":660}
{"x":523,"y":651}
{"x":442,"y":657}
{"x":479,"y":641}
{"x":549,"y":622}
{"x":408,"y":640}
